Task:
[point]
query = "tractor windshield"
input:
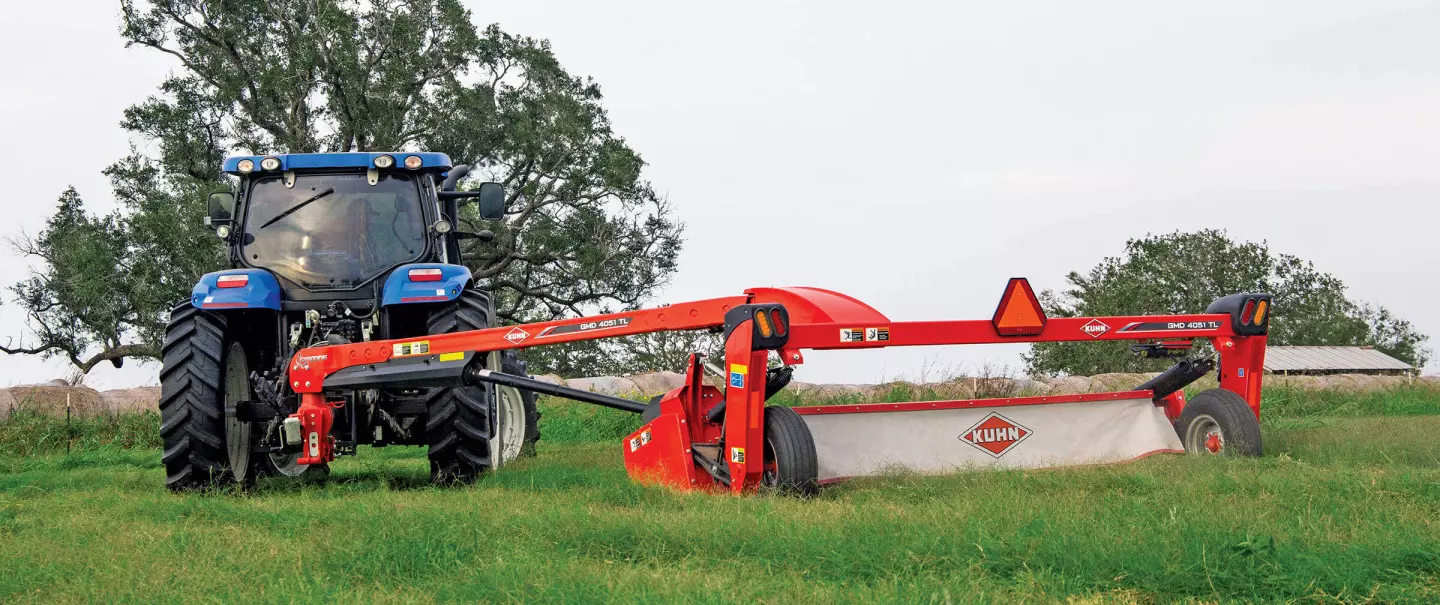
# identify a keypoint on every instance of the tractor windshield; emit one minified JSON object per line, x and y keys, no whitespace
{"x":333,"y":231}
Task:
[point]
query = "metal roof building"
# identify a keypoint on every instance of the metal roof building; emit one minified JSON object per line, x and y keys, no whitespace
{"x":1332,"y":360}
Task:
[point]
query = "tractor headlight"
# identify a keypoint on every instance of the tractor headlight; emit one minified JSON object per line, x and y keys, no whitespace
{"x":384,"y":161}
{"x":223,"y":231}
{"x":442,"y":226}
{"x":245,"y":166}
{"x":270,"y":164}
{"x":412,"y":161}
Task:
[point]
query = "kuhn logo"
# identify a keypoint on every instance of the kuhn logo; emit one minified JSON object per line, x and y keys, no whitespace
{"x":517,"y":336}
{"x":995,"y":435}
{"x":1095,"y":328}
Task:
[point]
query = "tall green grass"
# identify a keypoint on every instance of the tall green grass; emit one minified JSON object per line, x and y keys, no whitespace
{"x":569,"y":526}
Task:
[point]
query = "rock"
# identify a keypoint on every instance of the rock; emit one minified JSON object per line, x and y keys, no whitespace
{"x":1029,"y":387}
{"x":1116,"y":382}
{"x":550,"y":378}
{"x":50,"y":400}
{"x":656,"y":383}
{"x":605,"y":385}
{"x":138,"y":399}
{"x":1070,"y":385}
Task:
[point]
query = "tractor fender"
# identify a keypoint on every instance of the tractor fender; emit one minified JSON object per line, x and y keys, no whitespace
{"x":401,"y":289}
{"x":260,"y":290}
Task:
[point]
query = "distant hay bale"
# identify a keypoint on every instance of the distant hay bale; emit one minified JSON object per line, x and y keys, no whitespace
{"x":49,"y":399}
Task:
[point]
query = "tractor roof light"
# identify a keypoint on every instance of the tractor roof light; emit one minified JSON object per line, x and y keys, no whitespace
{"x":245,"y":166}
{"x":413,"y":162}
{"x":384,"y":161}
{"x":270,"y":164}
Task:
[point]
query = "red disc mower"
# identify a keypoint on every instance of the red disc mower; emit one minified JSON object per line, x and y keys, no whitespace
{"x":701,"y":436}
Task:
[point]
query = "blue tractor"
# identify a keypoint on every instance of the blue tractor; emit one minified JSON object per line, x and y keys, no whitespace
{"x":332,"y":248}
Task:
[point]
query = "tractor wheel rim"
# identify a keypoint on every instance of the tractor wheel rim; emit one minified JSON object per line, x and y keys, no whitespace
{"x":237,"y":433}
{"x":288,"y":465}
{"x":511,"y":421}
{"x":1205,"y":436}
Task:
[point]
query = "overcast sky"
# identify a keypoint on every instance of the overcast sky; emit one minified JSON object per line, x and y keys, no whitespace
{"x":911,"y":155}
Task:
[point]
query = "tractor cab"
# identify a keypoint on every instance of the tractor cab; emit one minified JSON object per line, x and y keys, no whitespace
{"x":330,"y":226}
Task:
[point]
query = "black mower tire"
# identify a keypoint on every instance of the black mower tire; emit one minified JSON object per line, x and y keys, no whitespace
{"x":1222,"y":411}
{"x":192,"y":415}
{"x":789,"y":445}
{"x":458,"y":423}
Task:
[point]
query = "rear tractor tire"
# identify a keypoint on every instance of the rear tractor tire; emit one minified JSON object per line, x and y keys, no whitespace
{"x":204,"y":372}
{"x":464,"y":441}
{"x":1218,"y":422}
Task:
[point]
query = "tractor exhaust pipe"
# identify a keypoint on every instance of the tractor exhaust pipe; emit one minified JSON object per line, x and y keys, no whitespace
{"x":477,"y":374}
{"x":1177,"y":377}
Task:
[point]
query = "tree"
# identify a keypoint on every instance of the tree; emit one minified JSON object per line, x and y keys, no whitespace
{"x":584,"y":231}
{"x":1184,"y":272}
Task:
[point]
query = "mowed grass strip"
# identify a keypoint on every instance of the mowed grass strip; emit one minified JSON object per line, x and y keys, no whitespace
{"x":1339,"y":510}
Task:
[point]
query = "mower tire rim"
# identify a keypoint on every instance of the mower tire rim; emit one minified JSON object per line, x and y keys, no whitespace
{"x":1205,"y":436}
{"x":771,"y":475}
{"x":237,"y":432}
{"x":510,"y":406}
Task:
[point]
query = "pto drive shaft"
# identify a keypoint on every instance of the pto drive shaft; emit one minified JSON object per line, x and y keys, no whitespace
{"x":474,"y":375}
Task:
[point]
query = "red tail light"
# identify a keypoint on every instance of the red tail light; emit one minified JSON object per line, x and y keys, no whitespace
{"x":1249,"y":312}
{"x":780,"y":327}
{"x":425,"y":275}
{"x":232,"y":281}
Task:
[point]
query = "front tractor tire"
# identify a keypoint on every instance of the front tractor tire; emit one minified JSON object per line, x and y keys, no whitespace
{"x":464,"y":440}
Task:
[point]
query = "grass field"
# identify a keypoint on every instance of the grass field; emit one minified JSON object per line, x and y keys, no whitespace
{"x":1344,"y":507}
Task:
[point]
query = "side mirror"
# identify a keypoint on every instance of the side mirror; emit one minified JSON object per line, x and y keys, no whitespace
{"x":222,"y":208}
{"x":492,"y":201}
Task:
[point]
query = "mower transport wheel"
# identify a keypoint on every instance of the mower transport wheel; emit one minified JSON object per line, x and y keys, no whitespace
{"x":1219,"y":422}
{"x":192,"y":413}
{"x":790,"y":464}
{"x":459,"y":423}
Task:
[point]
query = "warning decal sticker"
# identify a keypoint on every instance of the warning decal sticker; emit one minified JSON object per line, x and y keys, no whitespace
{"x":877,"y":334}
{"x":737,"y":455}
{"x":419,"y":347}
{"x":852,"y":334}
{"x":737,"y":375}
{"x":995,"y":435}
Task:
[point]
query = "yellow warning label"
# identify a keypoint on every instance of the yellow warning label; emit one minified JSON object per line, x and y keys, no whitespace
{"x":736,"y":368}
{"x":419,"y":347}
{"x":452,"y":356}
{"x":737,"y":455}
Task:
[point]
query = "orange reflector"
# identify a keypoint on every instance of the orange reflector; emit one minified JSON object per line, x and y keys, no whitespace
{"x":763,"y":322}
{"x":1019,"y":312}
{"x":1260,"y":308}
{"x":779,"y":323}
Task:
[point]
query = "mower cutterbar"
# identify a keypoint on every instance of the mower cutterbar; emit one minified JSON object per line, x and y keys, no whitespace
{"x":702,"y":436}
